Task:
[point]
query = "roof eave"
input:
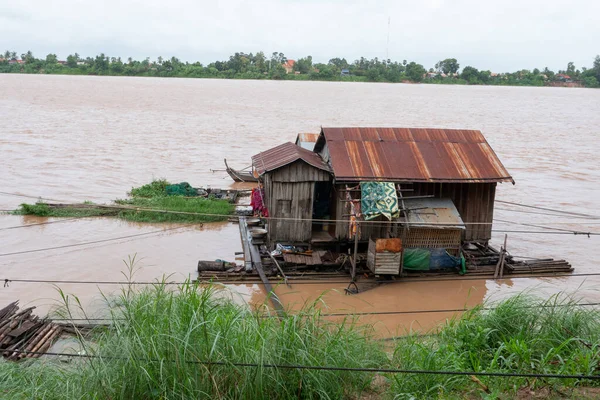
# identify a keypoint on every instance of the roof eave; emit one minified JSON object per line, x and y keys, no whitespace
{"x":406,"y":180}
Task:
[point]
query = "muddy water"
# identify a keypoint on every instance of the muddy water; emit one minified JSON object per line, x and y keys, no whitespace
{"x":92,"y":138}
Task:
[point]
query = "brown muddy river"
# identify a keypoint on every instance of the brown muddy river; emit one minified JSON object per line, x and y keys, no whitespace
{"x":93,"y":138}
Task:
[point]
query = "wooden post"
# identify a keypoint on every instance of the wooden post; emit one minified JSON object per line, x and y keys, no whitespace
{"x":500,"y":266}
{"x":355,"y":251}
{"x":503,"y":257}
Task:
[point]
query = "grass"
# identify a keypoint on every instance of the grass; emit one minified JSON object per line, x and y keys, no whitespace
{"x":43,"y":210}
{"x":553,"y":337}
{"x":158,"y":333}
{"x":156,"y":188}
{"x":160,"y":338}
{"x":152,"y":196}
{"x":217,"y":210}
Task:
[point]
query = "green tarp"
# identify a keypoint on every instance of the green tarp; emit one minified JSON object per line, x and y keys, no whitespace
{"x":416,"y":259}
{"x":379,"y":198}
{"x":431,"y":260}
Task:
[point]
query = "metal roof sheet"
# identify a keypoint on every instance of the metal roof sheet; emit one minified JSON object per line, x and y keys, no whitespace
{"x":411,"y":155}
{"x":439,"y":213}
{"x":307,"y":140}
{"x":285,"y":154}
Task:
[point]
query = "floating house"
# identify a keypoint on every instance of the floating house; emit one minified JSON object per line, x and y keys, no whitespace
{"x":433,"y":188}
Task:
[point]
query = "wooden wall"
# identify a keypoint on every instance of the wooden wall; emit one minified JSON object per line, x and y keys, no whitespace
{"x":474,"y":202}
{"x":378,"y":228}
{"x":289,"y":193}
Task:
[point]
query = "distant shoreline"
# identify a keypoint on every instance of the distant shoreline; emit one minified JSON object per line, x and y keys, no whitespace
{"x":428,"y":82}
{"x":278,"y":67}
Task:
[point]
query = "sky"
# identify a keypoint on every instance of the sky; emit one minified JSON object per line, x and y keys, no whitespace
{"x":500,"y":36}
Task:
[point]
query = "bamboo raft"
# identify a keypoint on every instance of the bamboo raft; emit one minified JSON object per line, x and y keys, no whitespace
{"x":482,"y":261}
{"x":23,"y":335}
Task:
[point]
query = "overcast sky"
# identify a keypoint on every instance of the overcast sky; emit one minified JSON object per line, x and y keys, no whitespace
{"x":501,"y":35}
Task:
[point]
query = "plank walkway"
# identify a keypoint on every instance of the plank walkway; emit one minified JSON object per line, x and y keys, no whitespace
{"x":252,"y":258}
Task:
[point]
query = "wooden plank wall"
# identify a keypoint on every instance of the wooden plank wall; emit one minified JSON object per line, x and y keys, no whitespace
{"x":474,"y":202}
{"x":342,"y":210}
{"x":289,"y":193}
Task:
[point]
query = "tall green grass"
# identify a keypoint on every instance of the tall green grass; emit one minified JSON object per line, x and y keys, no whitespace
{"x":522,"y":334}
{"x":43,"y":210}
{"x":158,"y":334}
{"x":213,"y":210}
{"x":157,"y":187}
{"x":162,"y":341}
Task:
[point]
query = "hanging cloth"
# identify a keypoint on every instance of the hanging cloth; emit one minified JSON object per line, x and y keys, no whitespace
{"x":354,"y":228}
{"x":379,"y":198}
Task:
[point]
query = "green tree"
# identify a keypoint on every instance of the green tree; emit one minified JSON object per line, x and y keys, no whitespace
{"x":470,"y":74}
{"x":596,"y":67}
{"x":304,"y":65}
{"x":570,"y":68}
{"x":51,"y":59}
{"x":28,"y":57}
{"x":277,"y":71}
{"x":590,"y":82}
{"x":448,"y":66}
{"x":277,"y":58}
{"x":415,"y":71}
{"x":340,"y":63}
{"x":101,"y":63}
{"x":72,"y":60}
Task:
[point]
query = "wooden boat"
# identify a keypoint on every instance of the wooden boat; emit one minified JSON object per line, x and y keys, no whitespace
{"x":240,"y":176}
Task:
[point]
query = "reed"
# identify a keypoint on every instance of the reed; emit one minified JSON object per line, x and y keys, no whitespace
{"x":160,"y":339}
{"x":522,"y":334}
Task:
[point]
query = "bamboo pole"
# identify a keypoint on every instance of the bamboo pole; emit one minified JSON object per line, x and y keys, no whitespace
{"x":43,"y":340}
{"x":355,"y":251}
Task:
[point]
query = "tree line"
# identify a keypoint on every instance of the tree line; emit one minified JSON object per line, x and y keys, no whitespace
{"x":260,"y":66}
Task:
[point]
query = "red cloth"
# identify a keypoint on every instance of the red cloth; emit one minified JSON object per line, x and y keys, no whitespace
{"x":257,"y":202}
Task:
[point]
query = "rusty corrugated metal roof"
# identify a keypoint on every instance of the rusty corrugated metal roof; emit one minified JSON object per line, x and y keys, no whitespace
{"x":285,"y":154}
{"x":307,"y":140}
{"x":411,"y":155}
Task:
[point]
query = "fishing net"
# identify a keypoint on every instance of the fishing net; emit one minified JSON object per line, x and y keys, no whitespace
{"x":181,"y":189}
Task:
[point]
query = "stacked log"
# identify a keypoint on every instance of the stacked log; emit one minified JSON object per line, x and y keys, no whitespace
{"x":23,"y":334}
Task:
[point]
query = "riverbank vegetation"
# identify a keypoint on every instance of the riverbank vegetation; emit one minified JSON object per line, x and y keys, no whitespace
{"x":278,"y":66}
{"x":153,"y":202}
{"x":194,"y":343}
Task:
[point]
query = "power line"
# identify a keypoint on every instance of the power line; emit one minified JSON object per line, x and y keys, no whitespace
{"x":324,"y":368}
{"x":375,"y":313}
{"x":33,"y":197}
{"x":539,"y":213}
{"x":324,"y":281}
{"x":91,"y":242}
{"x":42,"y":223}
{"x":314,"y":220}
{"x":549,"y":209}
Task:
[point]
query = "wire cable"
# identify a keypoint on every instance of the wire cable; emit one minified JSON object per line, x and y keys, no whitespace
{"x":42,"y":223}
{"x":549,"y":209}
{"x":324,"y":367}
{"x":375,"y":313}
{"x":321,"y":281}
{"x":91,"y":242}
{"x":293,"y":219}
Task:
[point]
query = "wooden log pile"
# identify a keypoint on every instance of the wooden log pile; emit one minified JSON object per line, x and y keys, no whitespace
{"x":485,"y":259}
{"x":22,"y":332}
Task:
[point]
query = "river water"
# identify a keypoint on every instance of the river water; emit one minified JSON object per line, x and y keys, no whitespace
{"x":75,"y":138}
